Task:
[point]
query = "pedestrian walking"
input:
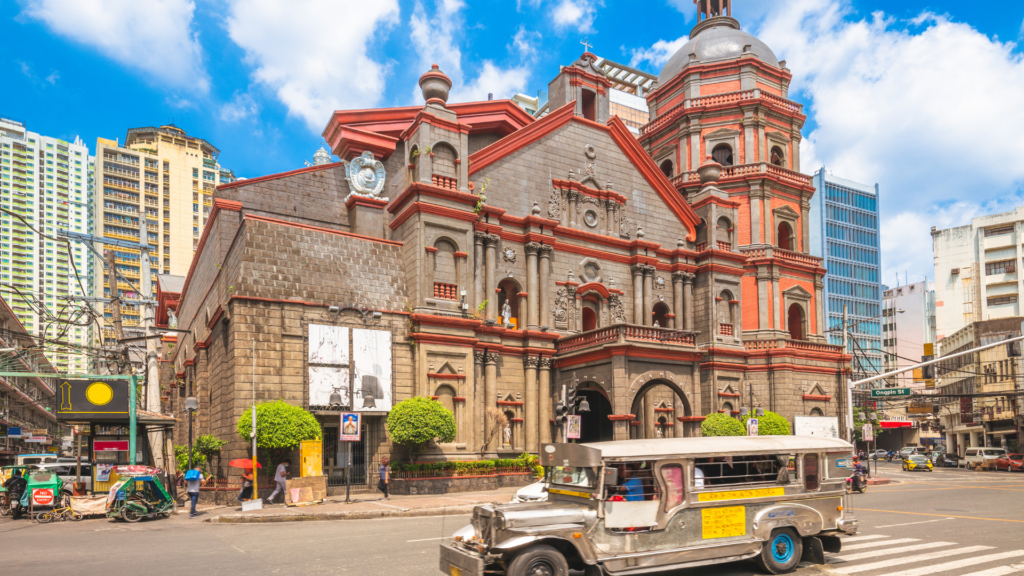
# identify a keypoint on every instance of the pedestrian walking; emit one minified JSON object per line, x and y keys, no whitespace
{"x":385,"y":476}
{"x":193,"y":480}
{"x":281,"y":477}
{"x":246,"y":492}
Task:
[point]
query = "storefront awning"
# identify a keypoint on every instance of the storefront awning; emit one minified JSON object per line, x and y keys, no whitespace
{"x":890,"y":424}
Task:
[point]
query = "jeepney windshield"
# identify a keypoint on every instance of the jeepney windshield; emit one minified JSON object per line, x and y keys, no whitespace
{"x":578,"y":476}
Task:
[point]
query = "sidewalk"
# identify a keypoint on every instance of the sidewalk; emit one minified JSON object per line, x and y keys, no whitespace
{"x":363,"y":506}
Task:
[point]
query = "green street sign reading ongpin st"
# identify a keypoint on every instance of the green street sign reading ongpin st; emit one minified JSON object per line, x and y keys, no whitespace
{"x":889,"y":392}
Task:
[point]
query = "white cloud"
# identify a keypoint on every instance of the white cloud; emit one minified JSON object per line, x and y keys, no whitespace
{"x":577,"y":14}
{"x":927,"y":108}
{"x":686,"y":7}
{"x":240,"y":107}
{"x":313,"y":53}
{"x":659,"y":52}
{"x":435,"y":39}
{"x":155,"y":37}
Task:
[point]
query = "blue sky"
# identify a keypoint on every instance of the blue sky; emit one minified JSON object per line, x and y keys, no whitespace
{"x":890,"y":95}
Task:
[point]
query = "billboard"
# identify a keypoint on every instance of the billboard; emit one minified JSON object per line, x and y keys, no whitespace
{"x":92,"y":400}
{"x":371,"y":357}
{"x":328,"y":359}
{"x":821,"y":426}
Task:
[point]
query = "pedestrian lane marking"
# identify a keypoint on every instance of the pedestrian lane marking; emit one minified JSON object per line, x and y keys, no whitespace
{"x":997,"y":571}
{"x":877,"y":544}
{"x":909,"y":559}
{"x":890,"y":551}
{"x":912,"y":523}
{"x":922,"y":571}
{"x":861,"y":538}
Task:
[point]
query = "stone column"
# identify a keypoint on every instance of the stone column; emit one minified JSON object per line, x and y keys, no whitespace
{"x":688,"y":279}
{"x":479,"y":399}
{"x":638,"y":293}
{"x":795,"y":154}
{"x":532,"y":289}
{"x":573,"y":199}
{"x":546,"y":408}
{"x":805,"y":226}
{"x":478,"y":267}
{"x":490,"y":397}
{"x":819,"y":306}
{"x":650,"y":416}
{"x":763,"y":302}
{"x":648,"y":294}
{"x":523,"y":299}
{"x":777,"y":297}
{"x":609,"y":210}
{"x":531,"y":403}
{"x":768,"y":225}
{"x":677,"y":300}
{"x":490,"y":272}
{"x":428,"y":278}
{"x":543,"y":298}
{"x":755,"y":220}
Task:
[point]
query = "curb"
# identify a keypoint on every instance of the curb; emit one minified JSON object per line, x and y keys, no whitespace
{"x":879,"y":481}
{"x":343,"y":515}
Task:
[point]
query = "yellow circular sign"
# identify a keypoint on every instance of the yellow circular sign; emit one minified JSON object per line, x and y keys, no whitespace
{"x":99,"y":393}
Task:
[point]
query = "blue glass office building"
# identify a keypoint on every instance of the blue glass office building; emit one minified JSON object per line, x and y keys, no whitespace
{"x":844,"y":231}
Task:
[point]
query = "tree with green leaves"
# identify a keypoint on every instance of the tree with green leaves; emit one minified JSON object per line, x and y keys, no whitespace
{"x":415,"y":422}
{"x":771,"y":424}
{"x":280,"y":427}
{"x":203,"y":448}
{"x":719,"y":424}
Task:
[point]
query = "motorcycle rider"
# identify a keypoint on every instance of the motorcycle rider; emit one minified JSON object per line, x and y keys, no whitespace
{"x":15,"y":487}
{"x":858,"y":474}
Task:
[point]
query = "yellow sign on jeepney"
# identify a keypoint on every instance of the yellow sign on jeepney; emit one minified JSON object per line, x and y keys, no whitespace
{"x":740,"y":494}
{"x":723,"y":522}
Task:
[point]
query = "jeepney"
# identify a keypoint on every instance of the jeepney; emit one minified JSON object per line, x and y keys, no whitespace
{"x":641,"y":506}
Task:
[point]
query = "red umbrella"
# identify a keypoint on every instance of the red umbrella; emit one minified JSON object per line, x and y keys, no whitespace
{"x":245,"y":463}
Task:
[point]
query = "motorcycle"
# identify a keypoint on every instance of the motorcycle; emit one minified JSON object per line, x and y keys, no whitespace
{"x":856,"y":483}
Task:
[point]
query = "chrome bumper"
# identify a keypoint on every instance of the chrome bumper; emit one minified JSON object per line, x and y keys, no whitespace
{"x":848,"y":525}
{"x":459,"y":562}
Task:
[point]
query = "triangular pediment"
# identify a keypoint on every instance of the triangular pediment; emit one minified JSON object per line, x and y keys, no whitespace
{"x":797,"y":292}
{"x":447,"y":368}
{"x":817,"y":390}
{"x":786,"y":211}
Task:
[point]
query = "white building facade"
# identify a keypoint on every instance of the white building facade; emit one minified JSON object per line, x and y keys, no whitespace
{"x":908,"y":324}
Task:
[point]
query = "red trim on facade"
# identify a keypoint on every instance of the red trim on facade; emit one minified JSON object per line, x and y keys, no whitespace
{"x":728,"y":395}
{"x":502,"y":116}
{"x":517,"y":420}
{"x":817,"y":397}
{"x":691,"y":418}
{"x":436,"y":210}
{"x":430,"y":249}
{"x":216,"y":316}
{"x":460,"y":255}
{"x":443,"y":376}
{"x":357,"y":200}
{"x":509,"y":403}
{"x":621,"y":417}
{"x":458,"y":398}
{"x":427,"y":189}
{"x":444,"y":339}
{"x":664,"y":409}
{"x":445,"y":321}
{"x":348,"y":143}
{"x":595,"y":286}
{"x":524,"y":137}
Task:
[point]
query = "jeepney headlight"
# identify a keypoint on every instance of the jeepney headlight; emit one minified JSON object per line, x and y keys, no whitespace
{"x":465,"y":533}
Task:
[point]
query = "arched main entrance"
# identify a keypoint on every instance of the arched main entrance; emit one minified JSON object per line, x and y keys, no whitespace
{"x":658,"y":402}
{"x":595,"y":425}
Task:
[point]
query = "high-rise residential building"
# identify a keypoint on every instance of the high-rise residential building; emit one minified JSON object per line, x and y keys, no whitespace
{"x":976,"y":268}
{"x":844,"y":231}
{"x":170,"y":177}
{"x":908,"y":329}
{"x":48,"y":182}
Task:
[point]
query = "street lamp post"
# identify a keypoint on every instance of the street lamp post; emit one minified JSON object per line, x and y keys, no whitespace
{"x":191,"y":405}
{"x":873,"y":417}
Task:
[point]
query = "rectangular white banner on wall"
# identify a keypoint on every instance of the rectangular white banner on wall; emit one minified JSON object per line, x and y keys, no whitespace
{"x":371,"y":355}
{"x":821,"y":426}
{"x":325,"y":380}
{"x":328,"y":345}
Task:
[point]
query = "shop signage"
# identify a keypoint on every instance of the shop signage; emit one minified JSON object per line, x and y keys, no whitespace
{"x":92,"y":400}
{"x":868,"y":432}
{"x":3,"y":431}
{"x":42,"y":496}
{"x":14,"y":432}
{"x":36,"y":440}
{"x":110,"y":446}
{"x":889,"y":392}
{"x":350,"y":426}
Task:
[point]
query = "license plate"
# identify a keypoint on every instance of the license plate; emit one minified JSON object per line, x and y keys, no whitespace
{"x":455,"y":571}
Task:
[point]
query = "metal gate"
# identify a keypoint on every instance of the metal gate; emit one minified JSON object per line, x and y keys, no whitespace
{"x":366,"y":455}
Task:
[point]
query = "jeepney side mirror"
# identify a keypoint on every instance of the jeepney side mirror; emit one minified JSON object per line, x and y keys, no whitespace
{"x":611,"y":476}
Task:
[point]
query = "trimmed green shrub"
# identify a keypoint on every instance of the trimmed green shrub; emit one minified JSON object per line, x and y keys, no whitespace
{"x":280,"y":427}
{"x":719,"y":424}
{"x":414,"y":422}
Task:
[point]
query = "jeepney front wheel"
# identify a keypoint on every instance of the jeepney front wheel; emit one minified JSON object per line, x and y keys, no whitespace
{"x":539,"y":561}
{"x":781,"y":552}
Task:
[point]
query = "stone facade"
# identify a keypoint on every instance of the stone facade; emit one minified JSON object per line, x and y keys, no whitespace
{"x":515,"y":260}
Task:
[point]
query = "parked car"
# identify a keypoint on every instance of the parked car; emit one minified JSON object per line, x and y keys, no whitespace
{"x":878,"y":454}
{"x":1010,"y":462}
{"x":975,"y":456}
{"x":66,"y":472}
{"x":536,"y":492}
{"x":907,"y":451}
{"x":948,"y":460}
{"x":917,"y":463}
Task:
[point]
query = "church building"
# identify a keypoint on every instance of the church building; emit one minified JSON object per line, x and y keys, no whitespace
{"x":491,"y":260}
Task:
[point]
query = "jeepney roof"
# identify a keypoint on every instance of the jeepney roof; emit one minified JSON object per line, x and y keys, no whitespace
{"x":694,"y":447}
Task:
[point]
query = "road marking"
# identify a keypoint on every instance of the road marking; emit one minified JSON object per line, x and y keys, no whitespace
{"x":386,"y":505}
{"x":426,"y":539}
{"x":909,"y":559}
{"x":898,"y":550}
{"x":861,"y":538}
{"x":942,"y":515}
{"x":877,"y":544}
{"x":912,"y":523}
{"x":958,"y":564}
{"x":998,"y":571}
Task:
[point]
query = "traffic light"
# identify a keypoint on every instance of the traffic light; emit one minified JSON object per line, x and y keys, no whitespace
{"x":570,"y":396}
{"x":561,"y":414}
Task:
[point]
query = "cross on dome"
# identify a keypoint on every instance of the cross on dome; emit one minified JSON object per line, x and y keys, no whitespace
{"x":586,"y":46}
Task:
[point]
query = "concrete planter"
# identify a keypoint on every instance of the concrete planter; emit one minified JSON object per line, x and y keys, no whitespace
{"x":449,"y":485}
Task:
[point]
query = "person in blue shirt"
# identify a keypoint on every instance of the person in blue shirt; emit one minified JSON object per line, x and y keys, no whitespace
{"x":633,"y":486}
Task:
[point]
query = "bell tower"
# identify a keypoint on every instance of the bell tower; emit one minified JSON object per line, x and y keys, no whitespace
{"x":585,"y":83}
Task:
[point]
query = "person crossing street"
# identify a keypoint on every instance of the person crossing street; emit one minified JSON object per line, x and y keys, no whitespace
{"x":281,"y":478}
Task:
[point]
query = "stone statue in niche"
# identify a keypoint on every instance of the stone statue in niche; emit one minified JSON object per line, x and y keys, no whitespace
{"x":617,"y":311}
{"x":624,"y":225}
{"x":508,"y":435}
{"x":506,"y":315}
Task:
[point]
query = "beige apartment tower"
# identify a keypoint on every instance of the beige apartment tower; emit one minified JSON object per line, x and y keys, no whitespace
{"x":168,"y":176}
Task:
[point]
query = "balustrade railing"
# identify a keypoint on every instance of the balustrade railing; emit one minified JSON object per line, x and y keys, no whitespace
{"x":741,"y":170}
{"x":674,"y":112}
{"x":444,"y":181}
{"x":780,"y":253}
{"x":625,"y":332}
{"x":444,"y":291}
{"x":793,"y":344}
{"x":725,"y":329}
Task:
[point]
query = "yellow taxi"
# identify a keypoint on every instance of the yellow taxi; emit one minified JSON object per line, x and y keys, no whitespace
{"x":917,"y":463}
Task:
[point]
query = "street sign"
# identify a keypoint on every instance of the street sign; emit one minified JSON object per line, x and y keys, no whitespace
{"x":868,"y":432}
{"x":572,"y":430}
{"x":751,"y":426}
{"x":93,"y":400}
{"x":14,"y":432}
{"x":351,"y":425}
{"x":846,"y":463}
{"x":110,"y":446}
{"x":889,"y":392}
{"x":42,"y":496}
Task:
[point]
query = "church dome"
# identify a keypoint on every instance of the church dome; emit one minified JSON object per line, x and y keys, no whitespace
{"x":715,"y":39}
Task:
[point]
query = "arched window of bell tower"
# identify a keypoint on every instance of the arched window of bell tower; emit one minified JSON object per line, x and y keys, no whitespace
{"x":722,"y":154}
{"x":778,"y":157}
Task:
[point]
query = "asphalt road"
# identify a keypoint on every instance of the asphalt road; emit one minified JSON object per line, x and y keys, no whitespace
{"x":959,"y":523}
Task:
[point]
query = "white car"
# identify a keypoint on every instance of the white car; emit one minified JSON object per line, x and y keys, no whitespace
{"x":66,"y":472}
{"x":536,"y":492}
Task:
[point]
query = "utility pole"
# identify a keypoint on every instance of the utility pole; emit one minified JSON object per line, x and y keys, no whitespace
{"x":115,"y":306}
{"x":849,"y":389}
{"x":156,"y":434}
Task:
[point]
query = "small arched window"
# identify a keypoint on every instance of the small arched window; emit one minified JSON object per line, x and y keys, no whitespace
{"x":727,"y":407}
{"x":795,"y":322}
{"x":722,"y":154}
{"x":666,"y":168}
{"x":660,"y":315}
{"x":817,"y":412}
{"x":784,"y":238}
{"x":589,"y":316}
{"x":446,"y":396}
{"x":778,"y":157}
{"x":444,"y":160}
{"x":444,"y":262}
{"x":723,"y":234}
